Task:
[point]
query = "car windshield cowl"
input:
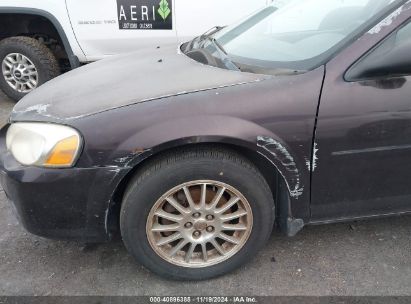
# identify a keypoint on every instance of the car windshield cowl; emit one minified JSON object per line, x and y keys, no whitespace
{"x":295,"y":38}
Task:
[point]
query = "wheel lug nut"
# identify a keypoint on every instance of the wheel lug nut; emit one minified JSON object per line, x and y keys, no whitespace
{"x":196,"y":215}
{"x":188,"y":225}
{"x":196,"y":234}
{"x":210,"y":229}
{"x":209,"y":217}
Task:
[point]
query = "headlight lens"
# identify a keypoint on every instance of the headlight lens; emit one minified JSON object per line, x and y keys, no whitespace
{"x":43,"y":144}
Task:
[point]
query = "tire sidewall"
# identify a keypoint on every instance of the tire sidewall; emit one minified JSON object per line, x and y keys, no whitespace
{"x":43,"y":75}
{"x":140,"y":199}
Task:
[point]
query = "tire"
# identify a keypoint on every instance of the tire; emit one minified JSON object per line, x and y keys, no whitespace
{"x":43,"y":60}
{"x":187,"y":167}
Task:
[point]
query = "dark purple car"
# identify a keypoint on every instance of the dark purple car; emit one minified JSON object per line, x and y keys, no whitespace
{"x":296,"y":116}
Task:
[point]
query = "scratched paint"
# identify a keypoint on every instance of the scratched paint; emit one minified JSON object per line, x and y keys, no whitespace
{"x":308,"y":163}
{"x":38,"y":108}
{"x":313,"y":160}
{"x":386,"y":22}
{"x":287,"y":161}
{"x":200,"y":90}
{"x":42,"y":112}
{"x":315,"y":157}
{"x":125,"y":160}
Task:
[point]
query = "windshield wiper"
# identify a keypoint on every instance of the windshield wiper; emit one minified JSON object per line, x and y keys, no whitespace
{"x":228,"y":63}
{"x":207,"y":36}
{"x":210,"y":32}
{"x":204,"y":36}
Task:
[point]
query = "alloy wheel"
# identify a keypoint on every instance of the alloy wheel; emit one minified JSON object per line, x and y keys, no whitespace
{"x":199,"y":224}
{"x":20,"y":73}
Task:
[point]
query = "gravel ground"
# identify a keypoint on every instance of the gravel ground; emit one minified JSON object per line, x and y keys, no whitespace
{"x":360,"y":258}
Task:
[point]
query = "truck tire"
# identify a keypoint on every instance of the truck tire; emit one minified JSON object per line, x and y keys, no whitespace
{"x":25,"y":65}
{"x":194,"y":214}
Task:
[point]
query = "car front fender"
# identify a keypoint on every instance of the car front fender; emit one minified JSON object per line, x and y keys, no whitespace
{"x":214,"y":129}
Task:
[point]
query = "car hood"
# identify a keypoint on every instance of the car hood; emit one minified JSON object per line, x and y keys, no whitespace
{"x":145,"y":75}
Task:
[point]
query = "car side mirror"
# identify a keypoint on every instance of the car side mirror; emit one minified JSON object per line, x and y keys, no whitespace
{"x":389,"y":60}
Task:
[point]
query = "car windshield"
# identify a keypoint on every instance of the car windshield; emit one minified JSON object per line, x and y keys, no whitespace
{"x":296,"y":36}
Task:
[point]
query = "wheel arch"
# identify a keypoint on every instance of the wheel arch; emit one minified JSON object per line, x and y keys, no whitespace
{"x":74,"y":61}
{"x":251,"y":151}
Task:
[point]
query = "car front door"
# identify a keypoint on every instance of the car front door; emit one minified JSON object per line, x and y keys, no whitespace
{"x":362,"y":149}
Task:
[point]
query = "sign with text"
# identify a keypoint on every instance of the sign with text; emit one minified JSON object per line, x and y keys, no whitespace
{"x":145,"y":14}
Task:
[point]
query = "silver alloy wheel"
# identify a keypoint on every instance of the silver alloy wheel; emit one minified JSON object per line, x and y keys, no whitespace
{"x":199,"y":224}
{"x":20,"y":72}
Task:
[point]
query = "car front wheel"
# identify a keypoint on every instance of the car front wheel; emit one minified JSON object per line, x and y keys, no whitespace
{"x":196,"y":214}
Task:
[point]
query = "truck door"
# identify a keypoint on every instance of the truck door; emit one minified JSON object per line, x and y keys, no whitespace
{"x":108,"y":27}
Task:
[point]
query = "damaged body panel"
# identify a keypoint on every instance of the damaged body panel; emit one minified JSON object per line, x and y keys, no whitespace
{"x":288,"y":168}
{"x":233,"y":117}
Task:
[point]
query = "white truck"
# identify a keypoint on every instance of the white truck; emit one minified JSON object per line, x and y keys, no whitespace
{"x":40,"y":39}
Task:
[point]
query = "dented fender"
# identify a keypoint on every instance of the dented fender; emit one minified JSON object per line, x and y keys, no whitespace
{"x":284,"y":161}
{"x":207,"y":129}
{"x":277,"y":125}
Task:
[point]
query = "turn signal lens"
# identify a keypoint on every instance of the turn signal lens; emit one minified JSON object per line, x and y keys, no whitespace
{"x":64,"y":153}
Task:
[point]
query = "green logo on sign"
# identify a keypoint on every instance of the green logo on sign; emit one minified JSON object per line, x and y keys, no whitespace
{"x":164,"y":10}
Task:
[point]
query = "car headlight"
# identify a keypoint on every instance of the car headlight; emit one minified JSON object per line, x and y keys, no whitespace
{"x":43,"y":144}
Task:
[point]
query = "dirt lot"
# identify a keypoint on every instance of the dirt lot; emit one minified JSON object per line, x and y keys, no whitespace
{"x":361,"y":258}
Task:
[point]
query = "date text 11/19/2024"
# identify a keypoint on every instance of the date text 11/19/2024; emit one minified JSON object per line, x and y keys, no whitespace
{"x":204,"y":299}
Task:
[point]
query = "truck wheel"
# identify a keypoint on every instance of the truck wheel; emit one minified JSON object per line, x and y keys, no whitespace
{"x":25,"y":64}
{"x":196,"y":214}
